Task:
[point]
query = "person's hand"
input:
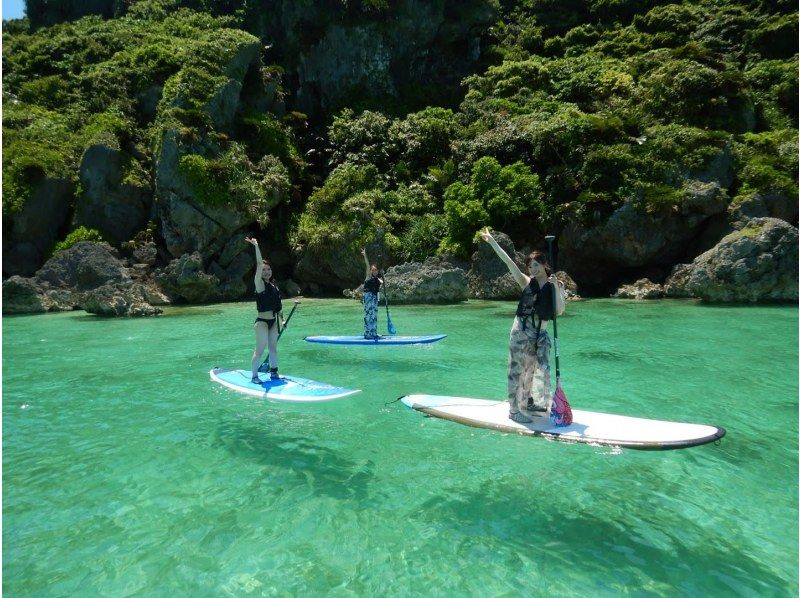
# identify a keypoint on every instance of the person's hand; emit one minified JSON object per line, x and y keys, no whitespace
{"x":486,"y":235}
{"x":364,"y":251}
{"x":252,"y":241}
{"x":553,"y":280}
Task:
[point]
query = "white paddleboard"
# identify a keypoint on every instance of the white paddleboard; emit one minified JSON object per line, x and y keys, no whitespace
{"x":287,"y":388}
{"x":587,"y":427}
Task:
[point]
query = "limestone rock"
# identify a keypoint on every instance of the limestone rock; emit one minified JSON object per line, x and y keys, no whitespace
{"x":633,"y":238}
{"x":677,"y":285}
{"x":488,"y":277}
{"x":706,"y":198}
{"x":641,"y":289}
{"x":116,"y":207}
{"x":88,"y":276}
{"x":152,"y":294}
{"x":720,"y":169}
{"x":375,"y":54}
{"x":29,"y":234}
{"x":185,"y":278}
{"x":22,"y":296}
{"x":758,"y":205}
{"x":146,"y":253}
{"x":290,"y":288}
{"x":570,"y":287}
{"x":224,"y":103}
{"x":753,"y":264}
{"x":186,"y":225}
{"x":436,"y":280}
{"x":60,"y":300}
{"x":333,"y":267}
{"x":118,"y":299}
{"x":84,"y":266}
{"x":147,"y":101}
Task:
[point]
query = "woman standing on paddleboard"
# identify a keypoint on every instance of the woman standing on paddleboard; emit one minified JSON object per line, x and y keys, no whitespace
{"x":268,"y":303}
{"x":529,"y":344}
{"x":372,"y":285}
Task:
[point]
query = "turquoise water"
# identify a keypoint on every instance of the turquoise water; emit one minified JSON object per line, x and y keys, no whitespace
{"x":126,"y":471}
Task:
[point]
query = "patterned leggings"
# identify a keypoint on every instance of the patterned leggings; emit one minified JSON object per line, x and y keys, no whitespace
{"x":370,"y":315}
{"x":528,"y":367}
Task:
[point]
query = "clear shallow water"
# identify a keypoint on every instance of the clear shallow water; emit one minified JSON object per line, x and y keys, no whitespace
{"x":126,"y":471}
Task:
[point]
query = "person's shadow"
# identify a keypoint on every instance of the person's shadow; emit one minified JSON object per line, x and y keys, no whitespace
{"x":324,"y":470}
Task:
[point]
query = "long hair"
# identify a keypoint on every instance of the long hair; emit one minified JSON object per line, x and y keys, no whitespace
{"x":266,"y":262}
{"x":540,"y":257}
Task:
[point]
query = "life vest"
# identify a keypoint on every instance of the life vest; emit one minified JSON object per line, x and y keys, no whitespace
{"x":269,"y":299}
{"x":536,"y":302}
{"x":372,"y":284}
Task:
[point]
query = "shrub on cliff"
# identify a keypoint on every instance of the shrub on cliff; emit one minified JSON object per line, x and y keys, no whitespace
{"x":400,"y":149}
{"x":232,"y":180}
{"x":331,"y":211}
{"x":362,"y":139}
{"x":79,"y":234}
{"x":37,"y":143}
{"x":768,"y":163}
{"x":495,"y":196}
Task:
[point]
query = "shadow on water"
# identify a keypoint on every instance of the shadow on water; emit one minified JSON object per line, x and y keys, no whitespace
{"x":566,"y":534}
{"x":385,"y":357}
{"x":602,"y":355}
{"x":171,"y":313}
{"x":322,"y":468}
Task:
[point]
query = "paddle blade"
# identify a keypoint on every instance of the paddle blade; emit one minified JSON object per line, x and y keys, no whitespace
{"x":560,"y":411}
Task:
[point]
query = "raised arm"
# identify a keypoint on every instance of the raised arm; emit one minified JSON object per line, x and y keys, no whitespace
{"x":366,"y":261}
{"x":522,"y":279}
{"x":259,"y":282}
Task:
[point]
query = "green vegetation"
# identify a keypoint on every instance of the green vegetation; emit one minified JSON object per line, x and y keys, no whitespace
{"x":123,"y":83}
{"x":79,"y":234}
{"x":232,"y":180}
{"x":591,"y":105}
{"x":496,"y":196}
{"x":767,"y":163}
{"x":581,"y":106}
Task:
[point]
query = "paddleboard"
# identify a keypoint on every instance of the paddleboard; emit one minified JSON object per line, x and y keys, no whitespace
{"x":587,"y":427}
{"x":381,"y":340}
{"x":287,"y":388}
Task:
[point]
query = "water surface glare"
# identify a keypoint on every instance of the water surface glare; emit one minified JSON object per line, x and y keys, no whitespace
{"x":127,"y":472}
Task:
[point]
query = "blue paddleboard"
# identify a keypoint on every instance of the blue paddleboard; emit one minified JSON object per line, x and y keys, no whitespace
{"x":287,"y":388}
{"x":381,"y":340}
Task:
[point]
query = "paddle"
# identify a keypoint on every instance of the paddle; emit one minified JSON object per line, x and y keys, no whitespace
{"x":264,"y":367}
{"x":389,"y":325}
{"x":560,"y":412}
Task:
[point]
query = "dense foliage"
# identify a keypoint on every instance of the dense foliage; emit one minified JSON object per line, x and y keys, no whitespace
{"x":586,"y":105}
{"x":590,"y":104}
{"x":122,"y":83}
{"x":79,"y":234}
